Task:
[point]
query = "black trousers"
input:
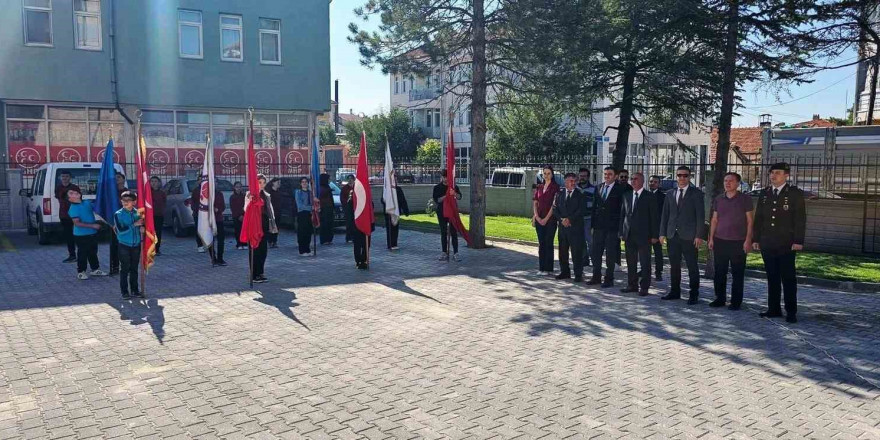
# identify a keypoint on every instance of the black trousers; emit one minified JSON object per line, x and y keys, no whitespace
{"x":303,"y":231}
{"x":546,"y":234}
{"x":220,"y":241}
{"x":677,"y":249}
{"x":86,"y":252}
{"x":129,"y":258}
{"x":638,"y":254}
{"x":446,"y":228}
{"x":729,"y":253}
{"x":360,"y":246}
{"x":571,"y":240}
{"x":114,"y":252}
{"x":326,"y":225}
{"x":67,"y":224}
{"x":238,"y":241}
{"x":605,"y":242}
{"x":158,"y":222}
{"x":349,"y":222}
{"x":392,"y":232}
{"x":781,"y":280}
{"x":658,"y":258}
{"x":260,"y":253}
{"x":196,"y":228}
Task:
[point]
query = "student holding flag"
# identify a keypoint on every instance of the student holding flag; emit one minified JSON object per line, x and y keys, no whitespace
{"x":148,"y":188}
{"x":107,"y":200}
{"x":207,"y":223}
{"x":364,"y":219}
{"x":393,"y":202}
{"x":259,"y":218}
{"x":129,"y":225}
{"x":446,"y":195}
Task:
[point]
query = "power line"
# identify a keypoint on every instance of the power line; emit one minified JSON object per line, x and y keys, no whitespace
{"x":806,"y":96}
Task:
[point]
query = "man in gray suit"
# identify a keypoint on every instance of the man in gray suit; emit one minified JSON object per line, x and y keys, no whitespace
{"x":681,"y":228}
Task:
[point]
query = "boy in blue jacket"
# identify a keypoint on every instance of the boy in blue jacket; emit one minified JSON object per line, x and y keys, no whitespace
{"x":129,"y":226}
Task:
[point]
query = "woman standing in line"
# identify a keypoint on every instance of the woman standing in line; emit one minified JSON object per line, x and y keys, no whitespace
{"x":303,"y":198}
{"x":542,"y":218}
{"x":328,"y":210}
{"x":274,"y":192}
{"x":269,"y":226}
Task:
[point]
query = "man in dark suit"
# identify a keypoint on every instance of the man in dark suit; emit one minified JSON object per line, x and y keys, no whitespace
{"x":660,"y":198}
{"x":569,"y":211}
{"x":606,"y":221}
{"x":638,"y":230}
{"x":779,"y":230}
{"x":681,"y":228}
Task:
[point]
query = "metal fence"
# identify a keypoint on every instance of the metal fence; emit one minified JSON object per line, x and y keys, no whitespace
{"x":844,"y":177}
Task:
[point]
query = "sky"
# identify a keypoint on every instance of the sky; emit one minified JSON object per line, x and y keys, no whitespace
{"x":367,"y":91}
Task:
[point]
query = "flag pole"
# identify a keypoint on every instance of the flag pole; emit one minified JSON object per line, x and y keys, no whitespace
{"x":251,"y":190}
{"x":143,"y":264}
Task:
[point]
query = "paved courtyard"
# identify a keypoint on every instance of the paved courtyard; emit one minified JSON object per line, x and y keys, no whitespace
{"x":415,"y":348}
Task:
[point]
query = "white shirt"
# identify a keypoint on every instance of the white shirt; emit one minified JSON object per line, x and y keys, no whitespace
{"x":778,"y":189}
{"x":679,"y":192}
{"x":609,"y":188}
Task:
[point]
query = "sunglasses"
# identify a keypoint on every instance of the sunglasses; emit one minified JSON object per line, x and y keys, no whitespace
{"x":683,"y":175}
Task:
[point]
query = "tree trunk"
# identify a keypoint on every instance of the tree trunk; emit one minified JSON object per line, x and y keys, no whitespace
{"x":869,"y":120}
{"x":477,"y":172}
{"x":618,"y":156}
{"x":728,"y":96}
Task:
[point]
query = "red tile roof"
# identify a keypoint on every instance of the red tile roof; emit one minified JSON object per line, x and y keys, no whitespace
{"x":747,"y":139}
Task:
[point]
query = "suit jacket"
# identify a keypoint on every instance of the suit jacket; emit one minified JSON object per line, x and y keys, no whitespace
{"x":780,"y":221}
{"x":689,"y":221}
{"x":639,"y":224}
{"x":606,"y":213}
{"x":571,"y":208}
{"x":660,"y":198}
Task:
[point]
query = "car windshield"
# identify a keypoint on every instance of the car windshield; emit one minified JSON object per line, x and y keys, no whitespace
{"x":222,"y":185}
{"x":85,"y":178}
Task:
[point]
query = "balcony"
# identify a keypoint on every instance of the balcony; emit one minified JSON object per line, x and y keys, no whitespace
{"x":423,"y":94}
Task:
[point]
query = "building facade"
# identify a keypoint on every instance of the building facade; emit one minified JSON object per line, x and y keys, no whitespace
{"x":76,"y":72}
{"x":434,"y":111}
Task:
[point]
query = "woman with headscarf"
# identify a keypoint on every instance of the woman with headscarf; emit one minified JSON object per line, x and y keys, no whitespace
{"x":269,"y":227}
{"x":392,"y":228}
{"x":273,"y":189}
{"x":303,"y":198}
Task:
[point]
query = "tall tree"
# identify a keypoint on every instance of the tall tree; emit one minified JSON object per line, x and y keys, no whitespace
{"x":395,"y":126}
{"x":643,"y":60}
{"x":418,"y":37}
{"x":534,"y":126}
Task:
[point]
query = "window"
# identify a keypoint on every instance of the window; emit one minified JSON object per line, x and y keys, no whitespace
{"x":38,"y":22}
{"x":87,"y":24}
{"x":428,"y":82}
{"x":437,"y":118}
{"x":404,"y":85}
{"x":230,"y":38}
{"x":468,"y":115}
{"x":189,"y":33}
{"x":428,"y":118}
{"x":460,"y":117}
{"x":396,"y":85}
{"x":270,"y":41}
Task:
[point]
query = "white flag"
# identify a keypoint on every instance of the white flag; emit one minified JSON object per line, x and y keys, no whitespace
{"x":207,"y":220}
{"x":389,"y":193}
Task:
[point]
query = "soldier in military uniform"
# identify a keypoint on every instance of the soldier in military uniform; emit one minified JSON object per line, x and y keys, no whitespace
{"x":779,"y":229}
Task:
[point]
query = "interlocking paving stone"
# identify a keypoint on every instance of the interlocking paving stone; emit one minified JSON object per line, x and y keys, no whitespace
{"x":416,"y":348}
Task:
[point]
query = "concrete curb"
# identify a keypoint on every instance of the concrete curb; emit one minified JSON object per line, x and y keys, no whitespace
{"x":848,"y":286}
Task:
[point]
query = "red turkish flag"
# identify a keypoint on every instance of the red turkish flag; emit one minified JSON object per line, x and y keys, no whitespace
{"x":252,"y":226}
{"x":363,"y":198}
{"x":450,"y":204}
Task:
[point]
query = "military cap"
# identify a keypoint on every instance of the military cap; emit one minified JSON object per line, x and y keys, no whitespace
{"x":780,"y":166}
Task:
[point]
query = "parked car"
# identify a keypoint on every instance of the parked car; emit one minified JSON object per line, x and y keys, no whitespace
{"x":402,"y":177}
{"x":341,"y":173}
{"x":515,"y":178}
{"x":178,"y":207}
{"x":287,"y":213}
{"x":41,"y":205}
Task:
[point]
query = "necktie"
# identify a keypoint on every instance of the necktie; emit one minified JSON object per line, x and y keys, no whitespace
{"x":680,"y":196}
{"x":605,"y":192}
{"x":775,"y":192}
{"x":635,"y":199}
{"x":567,"y":195}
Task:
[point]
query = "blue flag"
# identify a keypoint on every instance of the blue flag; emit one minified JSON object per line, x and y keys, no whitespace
{"x":107,"y":200}
{"x":316,"y":166}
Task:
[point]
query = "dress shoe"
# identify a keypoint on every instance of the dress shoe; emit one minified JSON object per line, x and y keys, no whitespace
{"x":607,"y":284}
{"x":593,"y":282}
{"x":733,"y":307}
{"x":769,"y":314}
{"x":643,"y":293}
{"x":669,"y":296}
{"x":717,"y":303}
{"x":629,"y":289}
{"x":791,"y":318}
{"x":693,"y":301}
{"x":578,"y":279}
{"x":563,"y":276}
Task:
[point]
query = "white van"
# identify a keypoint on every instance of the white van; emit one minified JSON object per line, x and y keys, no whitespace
{"x":515,"y":178}
{"x":43,"y":208}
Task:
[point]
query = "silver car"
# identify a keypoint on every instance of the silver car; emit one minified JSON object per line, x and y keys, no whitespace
{"x":178,"y":208}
